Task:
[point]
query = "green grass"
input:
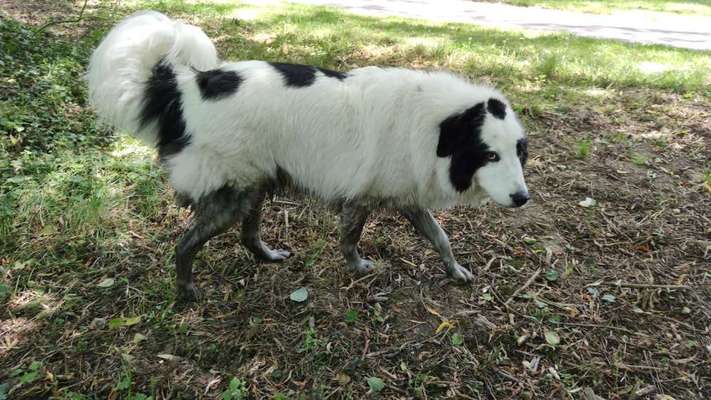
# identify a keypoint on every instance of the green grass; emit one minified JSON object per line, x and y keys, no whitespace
{"x":690,"y":7}
{"x":638,"y":159}
{"x":323,"y":36}
{"x":583,"y":148}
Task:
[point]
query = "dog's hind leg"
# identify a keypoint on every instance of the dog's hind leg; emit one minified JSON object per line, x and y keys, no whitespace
{"x":352,"y":222}
{"x":214,"y":214}
{"x":428,"y":227}
{"x":250,"y":233}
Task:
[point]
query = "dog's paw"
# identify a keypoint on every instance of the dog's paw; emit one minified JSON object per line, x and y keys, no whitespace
{"x":274,"y":255}
{"x":188,"y":293}
{"x":460,"y":274}
{"x":362,"y":266}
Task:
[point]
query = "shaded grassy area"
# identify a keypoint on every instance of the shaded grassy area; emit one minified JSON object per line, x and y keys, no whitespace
{"x":690,"y":7}
{"x":620,"y":304}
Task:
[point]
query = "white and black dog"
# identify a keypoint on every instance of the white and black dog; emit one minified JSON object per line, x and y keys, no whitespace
{"x":228,"y":133}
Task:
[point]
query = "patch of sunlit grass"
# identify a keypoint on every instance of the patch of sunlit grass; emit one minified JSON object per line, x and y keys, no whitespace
{"x":15,"y":331}
{"x":34,"y":303}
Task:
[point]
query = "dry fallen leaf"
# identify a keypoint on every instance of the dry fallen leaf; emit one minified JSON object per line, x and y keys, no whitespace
{"x":342,"y":379}
{"x":299,"y":295}
{"x":588,"y":202}
{"x":446,"y":324}
{"x":552,"y":338}
{"x":108,"y":282}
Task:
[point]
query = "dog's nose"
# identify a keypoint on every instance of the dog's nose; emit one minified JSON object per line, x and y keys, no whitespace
{"x":519,"y":198}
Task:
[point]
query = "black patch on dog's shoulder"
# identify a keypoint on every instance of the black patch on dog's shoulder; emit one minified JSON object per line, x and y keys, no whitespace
{"x":162,"y":104}
{"x":334,"y":74}
{"x":460,"y":139}
{"x":296,"y":75}
{"x":216,"y":84}
{"x":497,"y":108}
{"x":522,"y":151}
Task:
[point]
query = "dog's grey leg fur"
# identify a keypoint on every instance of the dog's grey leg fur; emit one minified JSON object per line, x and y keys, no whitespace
{"x":251,"y":238}
{"x":213,"y":214}
{"x":428,"y":227}
{"x":353,"y":219}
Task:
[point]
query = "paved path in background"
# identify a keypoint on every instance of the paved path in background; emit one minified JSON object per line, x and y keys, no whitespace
{"x":691,"y":32}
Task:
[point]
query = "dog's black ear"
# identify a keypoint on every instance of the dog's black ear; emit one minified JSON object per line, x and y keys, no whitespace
{"x":460,"y":130}
{"x":497,"y":108}
{"x":522,"y":151}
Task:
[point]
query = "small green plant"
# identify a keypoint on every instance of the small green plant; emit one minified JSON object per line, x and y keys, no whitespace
{"x":487,"y":297}
{"x":419,"y":384}
{"x":582,"y":149}
{"x":237,"y":390}
{"x":457,"y":339}
{"x":32,"y":373}
{"x":618,"y":137}
{"x":125,"y":384}
{"x":4,"y":292}
{"x":707,"y":179}
{"x":638,"y":159}
{"x":552,"y":275}
{"x":351,"y":316}
{"x":661,"y":143}
{"x":310,"y":340}
{"x":378,"y":314}
{"x":69,"y":396}
{"x":375,"y":384}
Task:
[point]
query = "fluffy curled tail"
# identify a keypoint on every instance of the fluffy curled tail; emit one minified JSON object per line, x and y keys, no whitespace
{"x":122,"y":66}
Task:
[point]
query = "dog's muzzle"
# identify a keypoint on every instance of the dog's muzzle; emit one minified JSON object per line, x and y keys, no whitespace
{"x":519,"y":198}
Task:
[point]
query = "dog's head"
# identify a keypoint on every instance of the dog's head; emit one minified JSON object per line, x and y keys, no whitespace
{"x":488,"y":150}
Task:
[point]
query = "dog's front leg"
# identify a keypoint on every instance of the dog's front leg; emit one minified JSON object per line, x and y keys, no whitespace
{"x":428,"y":227}
{"x":353,"y":219}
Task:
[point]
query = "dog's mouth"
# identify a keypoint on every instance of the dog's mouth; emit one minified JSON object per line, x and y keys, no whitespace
{"x":515,"y":202}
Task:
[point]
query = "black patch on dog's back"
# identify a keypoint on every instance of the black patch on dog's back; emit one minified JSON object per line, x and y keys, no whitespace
{"x":334,"y":74}
{"x":297,"y":75}
{"x":217,"y":84}
{"x":460,"y":139}
{"x":497,"y":108}
{"x":522,"y":151}
{"x":162,"y":104}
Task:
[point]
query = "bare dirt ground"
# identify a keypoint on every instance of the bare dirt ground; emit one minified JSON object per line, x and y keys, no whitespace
{"x":613,"y":298}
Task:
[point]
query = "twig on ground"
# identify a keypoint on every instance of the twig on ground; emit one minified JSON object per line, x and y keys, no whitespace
{"x":353,"y":283}
{"x":645,"y":391}
{"x":525,"y":285}
{"x":638,"y":285}
{"x":614,"y":328}
{"x":646,"y":285}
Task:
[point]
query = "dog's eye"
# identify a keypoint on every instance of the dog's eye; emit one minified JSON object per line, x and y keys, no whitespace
{"x":491,"y":156}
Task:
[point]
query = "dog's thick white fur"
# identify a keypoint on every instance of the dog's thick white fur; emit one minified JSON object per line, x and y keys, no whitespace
{"x":380,"y":135}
